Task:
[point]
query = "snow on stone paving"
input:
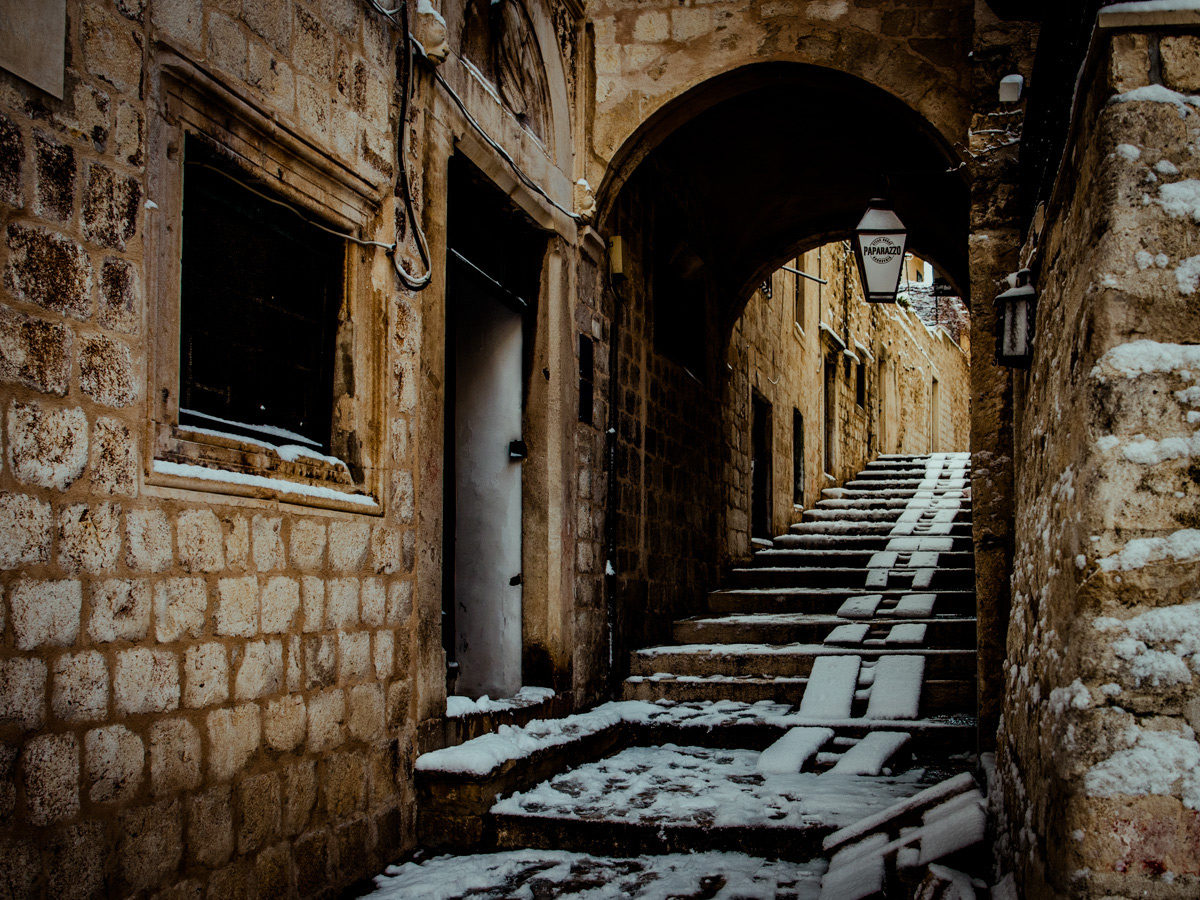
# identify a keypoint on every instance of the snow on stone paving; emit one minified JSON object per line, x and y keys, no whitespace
{"x":530,"y":874}
{"x":671,"y":785}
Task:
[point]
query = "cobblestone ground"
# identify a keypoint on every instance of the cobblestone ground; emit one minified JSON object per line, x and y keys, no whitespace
{"x":536,"y":874}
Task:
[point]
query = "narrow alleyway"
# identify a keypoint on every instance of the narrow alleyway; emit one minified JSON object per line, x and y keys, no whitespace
{"x":825,"y":702}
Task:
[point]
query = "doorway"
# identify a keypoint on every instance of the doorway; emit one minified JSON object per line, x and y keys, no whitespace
{"x":760,"y":467}
{"x":493,"y":276}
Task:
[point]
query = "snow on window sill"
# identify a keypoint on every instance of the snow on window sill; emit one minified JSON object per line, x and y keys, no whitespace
{"x":166,"y":473}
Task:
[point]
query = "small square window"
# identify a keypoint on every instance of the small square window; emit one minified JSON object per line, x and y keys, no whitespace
{"x":260,"y":290}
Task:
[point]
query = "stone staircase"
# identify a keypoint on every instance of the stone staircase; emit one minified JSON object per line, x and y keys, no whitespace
{"x":815,"y":724}
{"x":875,"y":584}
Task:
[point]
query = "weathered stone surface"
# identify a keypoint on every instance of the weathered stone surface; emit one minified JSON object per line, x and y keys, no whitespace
{"x":47,"y":446}
{"x":237,"y":606}
{"x":146,"y":681}
{"x":199,"y":538}
{"x":50,"y":772}
{"x":259,"y":807}
{"x":106,"y":371}
{"x":80,"y":687}
{"x":344,"y":784}
{"x":45,"y":613}
{"x":151,"y":843}
{"x":111,"y":50}
{"x":326,"y":712}
{"x":179,"y":608}
{"x":111,"y":207}
{"x":205,"y":675}
{"x":348,"y":543}
{"x":149,"y":540}
{"x":284,"y":723}
{"x":22,"y":692}
{"x":268,"y":546}
{"x":320,"y":660}
{"x":114,"y":465}
{"x":55,"y":178}
{"x":307,"y":543}
{"x":354,"y":656}
{"x":35,"y":352}
{"x":233,"y":738}
{"x":174,"y":756}
{"x":12,"y":159}
{"x":280,"y":601}
{"x":399,"y":606}
{"x":313,"y":592}
{"x":115,"y":759}
{"x":260,"y":672}
{"x":366,"y":720}
{"x":120,"y":296}
{"x":210,"y":826}
{"x":89,"y":537}
{"x":24,"y":530}
{"x":341,"y":604}
{"x":1180,"y":54}
{"x":49,"y":270}
{"x":373,"y":601}
{"x":120,"y":610}
{"x":299,"y":795}
{"x":383,"y":654}
{"x":75,"y":859}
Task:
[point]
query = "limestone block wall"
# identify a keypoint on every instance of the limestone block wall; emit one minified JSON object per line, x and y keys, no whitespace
{"x":784,"y":364}
{"x":1097,"y":748}
{"x":197,"y":691}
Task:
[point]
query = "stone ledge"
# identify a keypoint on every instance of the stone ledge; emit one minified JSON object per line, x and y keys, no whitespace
{"x":1146,"y":15}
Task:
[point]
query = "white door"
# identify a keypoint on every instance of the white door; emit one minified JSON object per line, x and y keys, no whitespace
{"x":487,"y":552}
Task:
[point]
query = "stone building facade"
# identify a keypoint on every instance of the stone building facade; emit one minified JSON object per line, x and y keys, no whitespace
{"x":219,"y":652}
{"x":882,"y":362}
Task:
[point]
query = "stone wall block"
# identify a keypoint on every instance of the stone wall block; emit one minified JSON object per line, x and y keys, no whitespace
{"x":112,"y":49}
{"x":12,"y":162}
{"x":54,"y":179}
{"x":237,"y":606}
{"x":385,"y":550}
{"x":24,"y":531}
{"x":312,"y":589}
{"x":35,"y":352}
{"x":180,"y":605}
{"x":280,"y":601}
{"x":341,"y":605}
{"x":45,"y":613}
{"x":120,"y":611}
{"x":326,"y":713}
{"x":120,"y":296}
{"x":47,"y":446}
{"x":149,"y":540}
{"x":80,"y":687}
{"x":174,"y":756}
{"x":50,"y":772}
{"x":261,"y":670}
{"x":114,"y":760}
{"x":114,"y":458}
{"x":284,"y":723}
{"x":106,"y":371}
{"x":237,"y":542}
{"x":210,"y":827}
{"x":205,"y":675}
{"x":111,"y":207}
{"x":343,"y":784}
{"x":1180,"y":55}
{"x":151,"y":844}
{"x":233,"y":737}
{"x":366,"y":718}
{"x":299,"y":795}
{"x":295,"y":664}
{"x":383,"y":654}
{"x":227,"y":44}
{"x":22,"y":692}
{"x":183,"y":20}
{"x":273,"y":871}
{"x":271,"y":20}
{"x":201,"y":542}
{"x":374,"y":602}
{"x":259,"y":807}
{"x":89,"y":537}
{"x":48,"y":270}
{"x":320,"y":660}
{"x":146,"y":681}
{"x":307,"y":544}
{"x":268,"y":546}
{"x":348,"y":544}
{"x":354,"y":656}
{"x":399,"y":606}
{"x":313,"y":46}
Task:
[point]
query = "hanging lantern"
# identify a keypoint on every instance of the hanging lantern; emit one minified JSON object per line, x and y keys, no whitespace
{"x":879,"y":250}
{"x":1016,"y":310}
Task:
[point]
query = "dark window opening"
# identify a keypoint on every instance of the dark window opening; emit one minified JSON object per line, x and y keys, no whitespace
{"x":860,"y":385}
{"x":587,"y":371}
{"x":797,"y":458}
{"x":260,"y":291}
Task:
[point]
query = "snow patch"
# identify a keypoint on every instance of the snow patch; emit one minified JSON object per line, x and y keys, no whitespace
{"x":1159,"y":762}
{"x":1129,"y":152}
{"x":1187,"y":275}
{"x":1181,"y":545}
{"x":1156,"y":93}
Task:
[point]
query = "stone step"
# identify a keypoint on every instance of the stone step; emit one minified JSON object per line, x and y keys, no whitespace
{"x":958,"y":528}
{"x":852,"y":579}
{"x":875,"y":514}
{"x":837,"y":558}
{"x":784,"y":661}
{"x":826,"y":600}
{"x":862,"y":542}
{"x":874,"y":501}
{"x":784,"y":628}
{"x":939,"y":697}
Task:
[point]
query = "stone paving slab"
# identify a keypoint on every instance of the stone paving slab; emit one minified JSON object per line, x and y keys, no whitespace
{"x":536,"y":874}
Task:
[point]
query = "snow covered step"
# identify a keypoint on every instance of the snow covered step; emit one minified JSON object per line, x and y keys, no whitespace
{"x":938,"y":579}
{"x":791,"y":628}
{"x":904,"y":814}
{"x":827,"y":600}
{"x":896,"y":693}
{"x":872,"y":753}
{"x":865,"y":542}
{"x":830,"y":690}
{"x":714,"y":689}
{"x":792,"y":752}
{"x":847,"y":635}
{"x":836,"y":557}
{"x":903,"y":666}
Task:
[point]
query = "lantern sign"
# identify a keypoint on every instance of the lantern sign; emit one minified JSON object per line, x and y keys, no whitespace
{"x":879,"y":250}
{"x":1016,"y":310}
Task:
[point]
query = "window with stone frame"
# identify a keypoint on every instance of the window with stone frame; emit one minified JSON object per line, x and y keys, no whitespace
{"x":262,"y":383}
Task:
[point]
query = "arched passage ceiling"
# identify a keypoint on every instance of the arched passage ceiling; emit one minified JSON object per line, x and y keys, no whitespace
{"x":787,"y":163}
